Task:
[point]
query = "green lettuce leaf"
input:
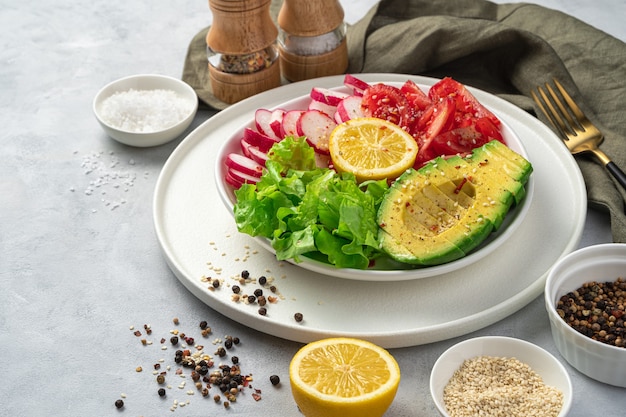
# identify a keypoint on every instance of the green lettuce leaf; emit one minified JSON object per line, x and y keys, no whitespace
{"x":311,"y":211}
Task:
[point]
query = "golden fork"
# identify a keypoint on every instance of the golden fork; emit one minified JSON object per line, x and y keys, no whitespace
{"x":578,"y":133}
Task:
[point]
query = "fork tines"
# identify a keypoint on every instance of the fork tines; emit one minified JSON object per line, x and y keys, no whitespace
{"x":564,"y":119}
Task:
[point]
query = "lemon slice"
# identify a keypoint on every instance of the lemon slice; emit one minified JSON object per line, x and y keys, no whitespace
{"x":343,"y":377}
{"x":371,"y":149}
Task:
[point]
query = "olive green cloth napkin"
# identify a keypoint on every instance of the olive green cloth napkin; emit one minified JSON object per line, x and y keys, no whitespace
{"x":505,"y":49}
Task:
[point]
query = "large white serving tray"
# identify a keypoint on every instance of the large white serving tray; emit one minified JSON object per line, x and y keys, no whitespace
{"x":199,"y":238}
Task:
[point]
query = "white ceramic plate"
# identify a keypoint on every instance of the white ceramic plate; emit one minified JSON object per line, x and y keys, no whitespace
{"x":385,"y":269}
{"x":198,"y":238}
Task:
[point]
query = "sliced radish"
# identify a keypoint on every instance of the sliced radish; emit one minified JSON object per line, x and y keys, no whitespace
{"x":316,"y":126}
{"x":253,"y":152}
{"x":290,"y":119}
{"x":244,"y":164}
{"x":327,"y":96}
{"x":245,"y":147}
{"x":349,"y":108}
{"x":258,"y":155}
{"x":242,"y":177}
{"x":276,"y":123}
{"x":323,"y":107}
{"x":355,"y":84}
{"x":232,"y":180}
{"x":258,"y":139}
{"x":262,"y":121}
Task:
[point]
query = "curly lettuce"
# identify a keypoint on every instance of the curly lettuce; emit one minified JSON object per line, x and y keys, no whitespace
{"x":309,"y":211}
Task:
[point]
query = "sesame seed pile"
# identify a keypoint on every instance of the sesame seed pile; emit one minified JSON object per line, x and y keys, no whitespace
{"x":499,"y":387}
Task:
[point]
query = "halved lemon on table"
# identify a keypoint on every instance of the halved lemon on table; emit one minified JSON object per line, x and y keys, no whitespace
{"x":343,"y":377}
{"x":371,"y":148}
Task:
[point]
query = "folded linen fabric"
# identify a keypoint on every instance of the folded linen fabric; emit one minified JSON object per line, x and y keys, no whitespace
{"x":504,"y":49}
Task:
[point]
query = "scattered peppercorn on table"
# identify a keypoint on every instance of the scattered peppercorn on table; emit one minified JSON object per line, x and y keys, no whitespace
{"x":92,"y":319}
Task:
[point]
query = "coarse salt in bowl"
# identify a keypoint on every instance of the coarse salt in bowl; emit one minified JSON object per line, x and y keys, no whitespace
{"x":533,"y":358}
{"x":603,"y":263}
{"x":145,"y":110}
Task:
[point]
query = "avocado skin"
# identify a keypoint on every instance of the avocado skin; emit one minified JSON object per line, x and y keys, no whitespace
{"x":447,"y":208}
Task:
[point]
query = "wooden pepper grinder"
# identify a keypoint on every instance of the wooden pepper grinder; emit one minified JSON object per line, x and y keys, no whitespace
{"x":241,"y":49}
{"x":312,"y":39}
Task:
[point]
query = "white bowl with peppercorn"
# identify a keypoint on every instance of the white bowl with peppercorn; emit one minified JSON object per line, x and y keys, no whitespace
{"x":585,"y":297}
{"x":489,"y":375}
{"x":146,"y":109}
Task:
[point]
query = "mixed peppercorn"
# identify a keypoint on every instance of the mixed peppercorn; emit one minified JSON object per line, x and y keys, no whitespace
{"x":257,"y":297}
{"x":596,"y":310}
{"x":224,"y":380}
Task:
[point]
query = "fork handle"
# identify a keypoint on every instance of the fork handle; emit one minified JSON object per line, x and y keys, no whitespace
{"x":617,"y":173}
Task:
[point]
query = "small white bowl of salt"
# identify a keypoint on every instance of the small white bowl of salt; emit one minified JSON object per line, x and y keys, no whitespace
{"x":145,"y":110}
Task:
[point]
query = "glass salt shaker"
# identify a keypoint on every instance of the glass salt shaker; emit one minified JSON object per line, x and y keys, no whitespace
{"x":312,"y":39}
{"x":242,"y":51}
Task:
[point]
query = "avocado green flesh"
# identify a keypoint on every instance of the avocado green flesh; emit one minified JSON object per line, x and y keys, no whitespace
{"x":444,"y":210}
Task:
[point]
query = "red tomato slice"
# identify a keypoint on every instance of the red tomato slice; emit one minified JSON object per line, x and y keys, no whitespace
{"x":466,"y":103}
{"x":437,"y":118}
{"x":417,"y":98}
{"x":388,"y":103}
{"x":488,"y":129}
{"x":460,"y":141}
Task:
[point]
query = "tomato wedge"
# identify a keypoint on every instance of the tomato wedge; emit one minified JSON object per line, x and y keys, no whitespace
{"x":466,"y":104}
{"x":418,"y":99}
{"x":388,"y":103}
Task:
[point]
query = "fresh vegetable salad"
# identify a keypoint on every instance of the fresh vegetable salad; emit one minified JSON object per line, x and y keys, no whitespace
{"x":289,"y":191}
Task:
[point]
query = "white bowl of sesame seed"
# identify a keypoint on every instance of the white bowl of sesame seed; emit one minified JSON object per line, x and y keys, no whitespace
{"x":489,"y":375}
{"x":146,"y":109}
{"x":585,"y":298}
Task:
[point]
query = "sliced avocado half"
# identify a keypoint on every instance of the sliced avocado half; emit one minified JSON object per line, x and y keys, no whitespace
{"x":444,"y":210}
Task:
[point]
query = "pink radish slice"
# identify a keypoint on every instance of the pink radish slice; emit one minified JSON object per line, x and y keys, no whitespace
{"x":323,"y":107}
{"x":327,"y":96}
{"x":349,"y":108}
{"x":276,"y":123}
{"x":258,"y":139}
{"x":253,"y":152}
{"x":262,"y":121}
{"x":232,"y":181}
{"x":244,"y":164}
{"x":355,"y":84}
{"x":245,"y":147}
{"x":290,"y":119}
{"x":316,"y":126}
{"x":242,"y":177}
{"x":258,"y":156}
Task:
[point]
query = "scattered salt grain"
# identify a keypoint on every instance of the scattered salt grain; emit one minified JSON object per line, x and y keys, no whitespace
{"x":109,"y":178}
{"x":144,"y":111}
